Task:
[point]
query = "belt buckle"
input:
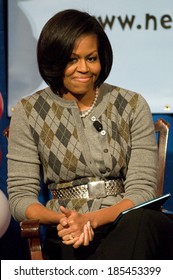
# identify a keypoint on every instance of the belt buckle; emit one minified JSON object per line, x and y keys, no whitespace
{"x":97,"y":189}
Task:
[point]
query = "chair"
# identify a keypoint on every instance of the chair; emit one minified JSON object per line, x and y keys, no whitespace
{"x":162,"y":129}
{"x":30,"y":229}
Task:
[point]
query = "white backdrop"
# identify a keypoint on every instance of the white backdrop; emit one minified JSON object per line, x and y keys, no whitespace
{"x":141,"y":33}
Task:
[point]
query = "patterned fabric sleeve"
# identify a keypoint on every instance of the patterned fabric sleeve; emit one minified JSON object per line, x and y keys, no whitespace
{"x":23,"y":165}
{"x":140,"y":183}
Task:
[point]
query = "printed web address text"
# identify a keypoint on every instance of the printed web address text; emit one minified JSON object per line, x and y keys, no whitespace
{"x":71,"y":271}
{"x":126,"y":22}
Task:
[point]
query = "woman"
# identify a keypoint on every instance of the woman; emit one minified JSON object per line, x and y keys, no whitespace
{"x":95,"y":144}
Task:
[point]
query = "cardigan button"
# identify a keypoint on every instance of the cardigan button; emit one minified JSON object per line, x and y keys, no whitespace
{"x":103,"y":132}
{"x":93,"y":118}
{"x":108,"y":169}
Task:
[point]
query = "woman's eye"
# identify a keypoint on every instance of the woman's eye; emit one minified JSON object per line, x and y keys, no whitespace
{"x":72,"y":60}
{"x":92,"y":59}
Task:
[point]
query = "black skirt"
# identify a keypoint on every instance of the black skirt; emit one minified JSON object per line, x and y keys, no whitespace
{"x":141,"y":234}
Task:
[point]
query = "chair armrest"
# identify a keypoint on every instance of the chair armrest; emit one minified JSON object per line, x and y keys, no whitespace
{"x":30,"y":229}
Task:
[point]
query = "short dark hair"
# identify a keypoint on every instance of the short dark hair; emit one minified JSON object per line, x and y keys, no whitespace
{"x":57,"y":40}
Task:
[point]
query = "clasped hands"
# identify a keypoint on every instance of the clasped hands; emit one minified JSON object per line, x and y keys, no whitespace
{"x":74,"y":228}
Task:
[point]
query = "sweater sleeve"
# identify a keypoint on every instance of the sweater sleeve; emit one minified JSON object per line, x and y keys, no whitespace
{"x":141,"y":177}
{"x":23,"y":165}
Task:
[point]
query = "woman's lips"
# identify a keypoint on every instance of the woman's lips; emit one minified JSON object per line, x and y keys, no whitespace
{"x":82,"y":79}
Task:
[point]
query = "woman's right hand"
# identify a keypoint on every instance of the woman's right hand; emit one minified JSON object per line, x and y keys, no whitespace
{"x":71,"y":230}
{"x":84,"y":239}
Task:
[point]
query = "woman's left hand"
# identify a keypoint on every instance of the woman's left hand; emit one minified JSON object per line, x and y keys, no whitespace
{"x":74,"y":228}
{"x":72,"y":222}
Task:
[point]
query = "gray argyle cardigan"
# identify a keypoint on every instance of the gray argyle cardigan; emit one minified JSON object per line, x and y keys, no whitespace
{"x":47,"y":132}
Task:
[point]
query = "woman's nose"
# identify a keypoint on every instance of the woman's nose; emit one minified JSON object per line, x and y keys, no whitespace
{"x":82,"y":66}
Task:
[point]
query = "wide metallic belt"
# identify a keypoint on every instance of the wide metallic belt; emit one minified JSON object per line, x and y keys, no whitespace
{"x":95,"y":189}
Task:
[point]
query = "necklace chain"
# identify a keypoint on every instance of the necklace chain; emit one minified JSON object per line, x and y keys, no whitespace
{"x":86,"y":113}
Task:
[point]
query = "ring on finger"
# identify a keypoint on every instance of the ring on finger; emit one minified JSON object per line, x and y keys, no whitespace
{"x":70,"y":236}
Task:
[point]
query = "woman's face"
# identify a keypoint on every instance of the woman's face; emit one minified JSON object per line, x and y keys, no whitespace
{"x":83,"y":67}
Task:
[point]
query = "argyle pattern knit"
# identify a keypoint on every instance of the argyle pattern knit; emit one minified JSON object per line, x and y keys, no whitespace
{"x":47,"y":131}
{"x":56,"y":136}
